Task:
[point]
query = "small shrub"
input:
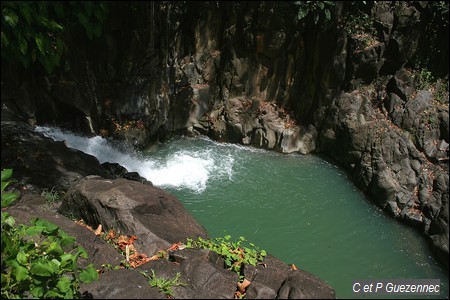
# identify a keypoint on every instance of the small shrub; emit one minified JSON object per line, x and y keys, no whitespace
{"x":51,"y":196}
{"x":40,"y":260}
{"x":165,"y":285}
{"x":424,"y":79}
{"x":319,"y":10}
{"x":235,"y":253}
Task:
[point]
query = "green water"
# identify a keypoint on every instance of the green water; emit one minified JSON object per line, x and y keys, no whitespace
{"x":301,"y":209}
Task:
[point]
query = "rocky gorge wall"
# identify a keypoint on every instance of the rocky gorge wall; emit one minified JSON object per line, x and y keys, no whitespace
{"x":256,"y":73}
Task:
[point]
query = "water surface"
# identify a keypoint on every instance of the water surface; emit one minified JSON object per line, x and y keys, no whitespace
{"x":300,"y":208}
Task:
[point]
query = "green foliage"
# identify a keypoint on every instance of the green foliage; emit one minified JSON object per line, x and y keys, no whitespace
{"x":35,"y":263}
{"x":441,"y":91}
{"x":165,"y":285}
{"x":51,"y":196}
{"x":40,"y":260}
{"x":235,"y":253}
{"x":318,"y":10}
{"x":32,"y":31}
{"x":358,"y":24}
{"x":7,"y":197}
{"x":424,"y":79}
{"x":432,"y":52}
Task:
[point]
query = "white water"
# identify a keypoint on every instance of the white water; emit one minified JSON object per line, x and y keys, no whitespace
{"x":182,"y":169}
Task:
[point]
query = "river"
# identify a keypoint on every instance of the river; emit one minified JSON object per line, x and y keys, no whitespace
{"x":300,"y":208}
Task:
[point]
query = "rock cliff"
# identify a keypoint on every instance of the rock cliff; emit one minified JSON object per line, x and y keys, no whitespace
{"x":279,"y":75}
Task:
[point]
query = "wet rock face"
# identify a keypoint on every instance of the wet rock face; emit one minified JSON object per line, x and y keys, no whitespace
{"x":394,"y":169}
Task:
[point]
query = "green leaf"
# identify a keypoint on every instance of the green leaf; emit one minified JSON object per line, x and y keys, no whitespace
{"x":42,"y":268}
{"x":327,"y":14}
{"x":316,"y":18}
{"x":34,"y":230}
{"x":99,"y":12}
{"x":7,"y":219}
{"x":82,"y":252}
{"x":20,"y":272}
{"x":56,"y":59}
{"x":23,"y":45}
{"x":5,"y":40}
{"x":10,"y":17}
{"x":54,"y":248}
{"x":64,"y":284}
{"x":22,"y":258}
{"x":52,"y":25}
{"x":302,"y":13}
{"x":49,"y":227}
{"x":252,"y":261}
{"x":52,"y":294}
{"x":8,"y":198}
{"x":40,"y":43}
{"x":66,"y":241}
{"x":6,"y":175}
{"x":89,"y":274}
{"x":59,"y":45}
{"x":228,"y":262}
{"x":68,"y":260}
{"x":56,"y":262}
{"x":37,"y":292}
{"x":25,"y":11}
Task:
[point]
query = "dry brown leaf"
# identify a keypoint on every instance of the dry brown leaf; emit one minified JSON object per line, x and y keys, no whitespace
{"x":111,"y":235}
{"x":98,"y":231}
{"x":243,"y":285}
{"x":294,"y":267}
{"x":122,"y":239}
{"x":174,"y":246}
{"x":132,"y":239}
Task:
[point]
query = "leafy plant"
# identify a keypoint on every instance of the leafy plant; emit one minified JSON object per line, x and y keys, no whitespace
{"x":358,"y":24}
{"x":319,"y":10}
{"x":424,"y":79}
{"x":35,"y":263}
{"x":441,"y":91}
{"x":51,"y":196}
{"x":235,"y":253}
{"x":165,"y":285}
{"x":40,"y":260}
{"x":32,"y":31}
{"x":7,"y":197}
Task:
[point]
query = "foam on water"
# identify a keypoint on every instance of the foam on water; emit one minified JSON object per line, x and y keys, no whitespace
{"x":181,"y":169}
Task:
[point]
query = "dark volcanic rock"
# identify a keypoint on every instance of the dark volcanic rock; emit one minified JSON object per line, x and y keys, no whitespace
{"x":132,"y":208}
